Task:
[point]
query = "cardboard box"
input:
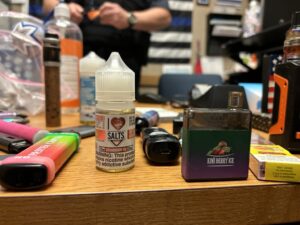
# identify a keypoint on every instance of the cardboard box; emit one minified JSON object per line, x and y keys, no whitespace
{"x":274,"y":163}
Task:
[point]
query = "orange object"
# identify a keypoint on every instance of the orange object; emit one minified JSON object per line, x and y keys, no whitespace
{"x":278,"y":127}
{"x":198,"y":66}
{"x":71,"y":52}
{"x":93,"y":14}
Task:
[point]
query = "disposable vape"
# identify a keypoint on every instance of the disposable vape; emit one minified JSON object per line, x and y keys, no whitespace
{"x":36,"y":166}
{"x":28,"y":133}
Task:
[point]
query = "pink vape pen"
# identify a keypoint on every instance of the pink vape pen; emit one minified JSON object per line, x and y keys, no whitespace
{"x":31,"y":134}
{"x":37,"y":165}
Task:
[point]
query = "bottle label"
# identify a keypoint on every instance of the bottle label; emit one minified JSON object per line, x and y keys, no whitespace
{"x":87,"y":99}
{"x":71,"y":52}
{"x":115,"y":141}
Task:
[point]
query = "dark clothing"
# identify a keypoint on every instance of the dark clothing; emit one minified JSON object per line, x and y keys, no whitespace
{"x":160,"y":3}
{"x":131,"y":44}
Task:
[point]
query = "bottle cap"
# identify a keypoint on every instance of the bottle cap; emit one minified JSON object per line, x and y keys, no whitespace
{"x":91,"y":63}
{"x":115,"y":81}
{"x":62,"y":10}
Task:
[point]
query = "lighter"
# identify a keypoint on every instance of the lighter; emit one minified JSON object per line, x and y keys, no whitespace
{"x":216,"y":142}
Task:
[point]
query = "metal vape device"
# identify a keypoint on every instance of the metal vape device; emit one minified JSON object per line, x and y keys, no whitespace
{"x":285,"y":130}
{"x":216,"y":142}
{"x":52,"y":79}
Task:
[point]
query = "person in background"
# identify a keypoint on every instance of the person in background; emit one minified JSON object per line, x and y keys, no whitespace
{"x":120,"y":25}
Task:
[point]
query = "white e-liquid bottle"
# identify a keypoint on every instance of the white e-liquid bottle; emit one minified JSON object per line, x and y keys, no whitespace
{"x":87,"y":68}
{"x":115,"y":116}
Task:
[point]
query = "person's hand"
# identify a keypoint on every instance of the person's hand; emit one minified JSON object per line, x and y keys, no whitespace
{"x":113,"y":14}
{"x":76,"y":12}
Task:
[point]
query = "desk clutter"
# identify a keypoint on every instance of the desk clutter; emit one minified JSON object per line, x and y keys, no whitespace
{"x":210,"y":140}
{"x":211,"y":137}
{"x":210,"y":144}
{"x":215,"y":146}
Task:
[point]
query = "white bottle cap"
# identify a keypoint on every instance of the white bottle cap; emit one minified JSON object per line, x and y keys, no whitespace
{"x":115,"y":81}
{"x":91,"y":63}
{"x":62,"y":10}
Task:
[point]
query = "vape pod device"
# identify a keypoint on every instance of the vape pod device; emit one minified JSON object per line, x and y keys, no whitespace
{"x":147,"y":119}
{"x":159,"y":146}
{"x":12,"y":144}
{"x":216,"y":142}
{"x":36,"y":166}
{"x":285,"y":130}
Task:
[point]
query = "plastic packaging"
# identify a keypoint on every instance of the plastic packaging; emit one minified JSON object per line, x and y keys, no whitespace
{"x":21,"y":64}
{"x":252,"y":20}
{"x":115,"y":116}
{"x":291,"y":47}
{"x":88,"y":67}
{"x":71,"y":51}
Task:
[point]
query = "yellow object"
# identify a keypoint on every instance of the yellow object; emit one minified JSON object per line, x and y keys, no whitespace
{"x":272,"y":162}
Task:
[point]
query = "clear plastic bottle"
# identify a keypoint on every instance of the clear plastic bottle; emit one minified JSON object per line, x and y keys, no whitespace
{"x":115,"y":116}
{"x":71,"y":51}
{"x":88,"y":67}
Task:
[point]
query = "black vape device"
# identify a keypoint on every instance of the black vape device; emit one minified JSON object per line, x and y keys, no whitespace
{"x":285,"y":130}
{"x":159,"y":146}
{"x":84,"y":131}
{"x":12,"y":144}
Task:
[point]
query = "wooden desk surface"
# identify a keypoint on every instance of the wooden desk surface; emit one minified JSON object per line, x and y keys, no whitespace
{"x":146,"y":194}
